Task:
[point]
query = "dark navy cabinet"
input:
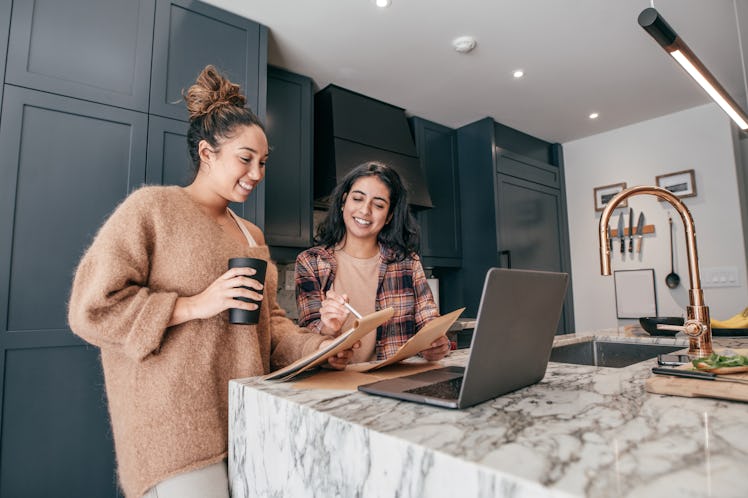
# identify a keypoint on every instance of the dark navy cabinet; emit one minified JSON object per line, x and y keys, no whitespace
{"x":513,"y":208}
{"x":66,"y":163}
{"x":97,"y":51}
{"x":57,"y":190}
{"x":168,"y":160}
{"x":4,"y":29}
{"x":188,"y":36}
{"x":288,"y":178}
{"x":81,"y":127}
{"x":529,"y":226}
{"x":441,"y":238}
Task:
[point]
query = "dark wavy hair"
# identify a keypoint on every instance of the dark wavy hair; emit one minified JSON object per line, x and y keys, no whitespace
{"x":400,"y":236}
{"x":216,"y":107}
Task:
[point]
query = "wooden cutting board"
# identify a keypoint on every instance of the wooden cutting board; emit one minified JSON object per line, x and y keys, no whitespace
{"x":696,"y":388}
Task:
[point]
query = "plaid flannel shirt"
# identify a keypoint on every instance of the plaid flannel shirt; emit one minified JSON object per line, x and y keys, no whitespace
{"x":402,"y":286}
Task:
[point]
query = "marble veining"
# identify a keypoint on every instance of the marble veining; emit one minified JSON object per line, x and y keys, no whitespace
{"x":582,"y":431}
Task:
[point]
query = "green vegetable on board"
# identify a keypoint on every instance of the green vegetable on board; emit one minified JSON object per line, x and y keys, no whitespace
{"x":717,"y":361}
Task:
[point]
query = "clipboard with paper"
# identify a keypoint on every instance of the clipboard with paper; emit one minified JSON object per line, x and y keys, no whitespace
{"x":342,"y":342}
{"x":420,"y":341}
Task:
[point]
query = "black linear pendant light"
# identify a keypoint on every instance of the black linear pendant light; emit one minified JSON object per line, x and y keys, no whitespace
{"x":655,"y":25}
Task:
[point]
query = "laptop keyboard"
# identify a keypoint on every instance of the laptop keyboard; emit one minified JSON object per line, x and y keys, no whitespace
{"x":446,"y":389}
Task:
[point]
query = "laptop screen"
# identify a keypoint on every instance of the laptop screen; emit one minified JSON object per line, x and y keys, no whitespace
{"x":511,"y":343}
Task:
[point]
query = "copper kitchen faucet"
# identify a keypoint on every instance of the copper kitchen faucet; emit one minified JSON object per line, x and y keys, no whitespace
{"x":697,"y":326}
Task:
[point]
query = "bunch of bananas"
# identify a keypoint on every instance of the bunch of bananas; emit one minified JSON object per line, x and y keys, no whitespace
{"x":739,"y":321}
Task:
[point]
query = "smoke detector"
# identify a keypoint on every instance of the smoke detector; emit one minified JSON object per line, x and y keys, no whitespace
{"x":464,"y":44}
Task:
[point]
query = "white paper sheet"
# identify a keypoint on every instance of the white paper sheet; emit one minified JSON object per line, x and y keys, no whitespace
{"x":635,"y":293}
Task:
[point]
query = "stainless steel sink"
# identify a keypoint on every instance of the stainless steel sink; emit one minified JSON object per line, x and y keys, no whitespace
{"x":608,"y":354}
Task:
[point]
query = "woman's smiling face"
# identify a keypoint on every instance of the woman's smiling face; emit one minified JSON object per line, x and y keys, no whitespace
{"x":239,"y":164}
{"x":366,"y":208}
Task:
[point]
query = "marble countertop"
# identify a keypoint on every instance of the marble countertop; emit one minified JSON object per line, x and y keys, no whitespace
{"x":582,"y":431}
{"x":463,"y":324}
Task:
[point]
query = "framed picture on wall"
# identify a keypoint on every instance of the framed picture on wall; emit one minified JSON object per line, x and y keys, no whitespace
{"x":682,"y":183}
{"x":603,"y":195}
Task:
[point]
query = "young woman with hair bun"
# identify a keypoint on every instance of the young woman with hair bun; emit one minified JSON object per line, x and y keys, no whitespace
{"x":152,"y":292}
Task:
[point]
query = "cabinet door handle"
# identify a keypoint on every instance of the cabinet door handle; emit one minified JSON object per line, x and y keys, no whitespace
{"x":508,"y":255}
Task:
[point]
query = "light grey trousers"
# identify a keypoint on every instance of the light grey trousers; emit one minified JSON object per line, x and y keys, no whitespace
{"x":208,"y":482}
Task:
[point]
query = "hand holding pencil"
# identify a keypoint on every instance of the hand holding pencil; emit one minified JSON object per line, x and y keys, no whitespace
{"x":334,"y":311}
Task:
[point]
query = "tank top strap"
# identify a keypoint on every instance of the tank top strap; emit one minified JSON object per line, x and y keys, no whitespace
{"x":247,"y":235}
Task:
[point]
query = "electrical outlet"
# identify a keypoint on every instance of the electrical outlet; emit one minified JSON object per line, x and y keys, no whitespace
{"x":726,"y":276}
{"x":289,"y":282}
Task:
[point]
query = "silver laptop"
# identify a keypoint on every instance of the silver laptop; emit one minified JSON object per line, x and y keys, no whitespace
{"x":512,"y":340}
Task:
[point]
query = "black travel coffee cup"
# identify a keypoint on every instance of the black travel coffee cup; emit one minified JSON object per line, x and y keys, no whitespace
{"x":244,"y":317}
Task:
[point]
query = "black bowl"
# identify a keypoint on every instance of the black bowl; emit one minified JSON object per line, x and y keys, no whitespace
{"x":649,"y":323}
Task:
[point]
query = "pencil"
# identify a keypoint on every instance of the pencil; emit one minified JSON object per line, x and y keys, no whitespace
{"x":352,"y":310}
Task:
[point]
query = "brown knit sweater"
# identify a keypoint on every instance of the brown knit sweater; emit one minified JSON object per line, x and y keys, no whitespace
{"x":167,"y":388}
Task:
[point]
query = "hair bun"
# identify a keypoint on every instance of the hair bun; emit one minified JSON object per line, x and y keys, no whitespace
{"x":210,"y":92}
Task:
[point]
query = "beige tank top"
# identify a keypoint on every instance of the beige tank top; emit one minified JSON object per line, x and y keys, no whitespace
{"x":247,"y":235}
{"x":358,"y":278}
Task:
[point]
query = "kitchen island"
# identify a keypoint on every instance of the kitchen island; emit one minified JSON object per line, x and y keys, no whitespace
{"x":582,"y":431}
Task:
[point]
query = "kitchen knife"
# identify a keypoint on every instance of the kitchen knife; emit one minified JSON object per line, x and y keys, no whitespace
{"x":639,"y":229}
{"x":610,"y":241}
{"x":631,"y":229}
{"x":620,"y":233}
{"x":695,"y":374}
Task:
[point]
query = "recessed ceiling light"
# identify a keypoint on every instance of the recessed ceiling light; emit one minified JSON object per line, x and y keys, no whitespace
{"x":594,"y":115}
{"x":382,"y":3}
{"x":518,"y":73}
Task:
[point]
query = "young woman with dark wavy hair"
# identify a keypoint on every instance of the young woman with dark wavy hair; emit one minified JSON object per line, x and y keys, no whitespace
{"x":366,"y":255}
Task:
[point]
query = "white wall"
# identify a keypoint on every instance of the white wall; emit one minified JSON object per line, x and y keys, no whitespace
{"x":699,"y":139}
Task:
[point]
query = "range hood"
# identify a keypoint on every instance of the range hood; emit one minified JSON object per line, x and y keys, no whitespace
{"x":350,"y":129}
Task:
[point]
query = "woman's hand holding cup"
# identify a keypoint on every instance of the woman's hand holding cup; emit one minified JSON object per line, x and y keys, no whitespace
{"x":245,"y":307}
{"x":219,"y":295}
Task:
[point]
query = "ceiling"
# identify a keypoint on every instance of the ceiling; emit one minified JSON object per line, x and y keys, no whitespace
{"x":579,"y":57}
